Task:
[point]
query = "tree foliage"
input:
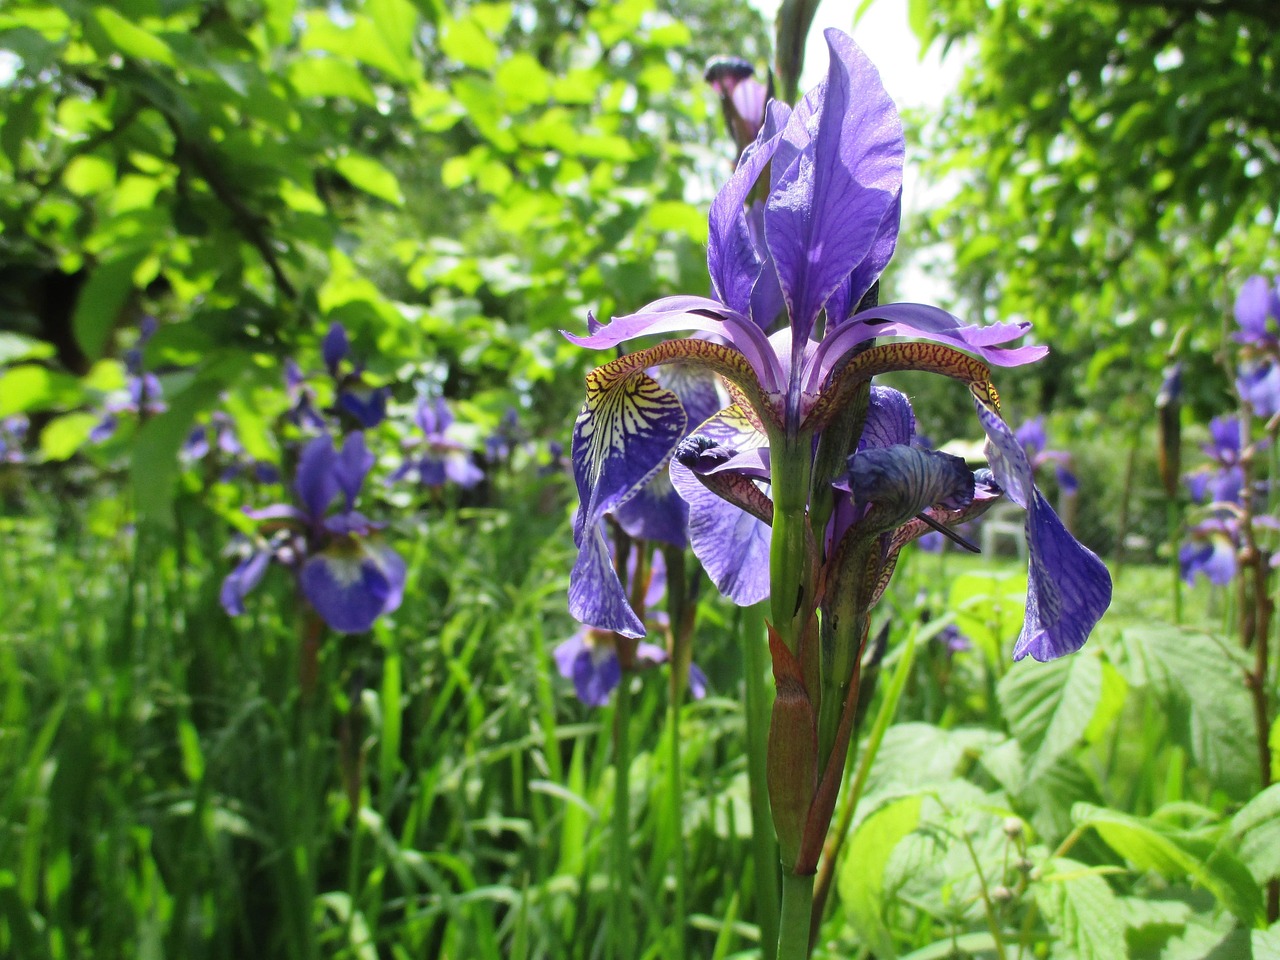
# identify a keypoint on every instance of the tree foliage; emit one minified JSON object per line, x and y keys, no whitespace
{"x":1118,"y":164}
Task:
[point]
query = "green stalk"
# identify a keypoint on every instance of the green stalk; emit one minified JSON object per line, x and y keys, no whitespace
{"x":1174,"y":526}
{"x":675,"y":797}
{"x":788,"y":560}
{"x":621,"y":933}
{"x":759,"y":705}
{"x":797,"y":911}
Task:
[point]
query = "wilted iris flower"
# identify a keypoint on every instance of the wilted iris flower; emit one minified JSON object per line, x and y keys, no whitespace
{"x":1257,"y":312}
{"x":590,"y":657}
{"x":794,"y":331}
{"x":437,"y":457}
{"x":347,"y":575}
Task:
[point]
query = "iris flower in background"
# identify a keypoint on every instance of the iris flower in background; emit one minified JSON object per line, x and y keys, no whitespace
{"x":793,"y":329}
{"x":1257,"y":313}
{"x":439,"y":458}
{"x":366,"y":405}
{"x":1221,"y":480}
{"x":347,"y":575}
{"x":590,"y":657}
{"x":1211,"y":551}
{"x":142,"y":395}
{"x":1035,"y":441}
{"x":502,"y":442}
{"x":13,"y":438}
{"x":219,"y":435}
{"x":742,"y":97}
{"x":302,"y":412}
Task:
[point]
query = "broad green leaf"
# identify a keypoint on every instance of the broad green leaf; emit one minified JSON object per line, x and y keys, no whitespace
{"x":64,"y":435}
{"x":155,"y":451}
{"x":15,"y":347}
{"x":1198,"y":680}
{"x":1150,"y":845}
{"x":1256,"y":828}
{"x":861,"y":882}
{"x":89,"y":174}
{"x":989,"y":609}
{"x":1266,"y":943}
{"x":465,"y":41}
{"x":369,"y":175}
{"x":30,"y":387}
{"x":1082,"y":910}
{"x":523,"y":80}
{"x":102,"y":299}
{"x":329,"y":76}
{"x":1048,"y":706}
{"x":130,"y":39}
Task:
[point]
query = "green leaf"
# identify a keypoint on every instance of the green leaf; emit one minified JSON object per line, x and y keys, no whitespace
{"x":1151,"y":845}
{"x":989,"y":609}
{"x":1082,"y":910}
{"x":369,"y":175}
{"x":323,"y":76}
{"x":131,"y":40}
{"x":102,"y":299}
{"x":16,"y":346}
{"x":63,"y":436}
{"x":1266,"y":943}
{"x":523,"y":80}
{"x":861,"y":882}
{"x":1048,"y":706}
{"x":88,"y":174}
{"x":466,"y":42}
{"x":1199,"y":683}
{"x":155,"y":451}
{"x":30,"y":387}
{"x":1256,"y":828}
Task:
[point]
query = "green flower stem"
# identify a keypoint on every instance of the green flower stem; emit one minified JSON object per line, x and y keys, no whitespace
{"x":788,"y":557}
{"x":759,"y":706}
{"x":675,"y":798}
{"x":797,"y":911}
{"x":621,"y":935}
{"x":1173,"y":511}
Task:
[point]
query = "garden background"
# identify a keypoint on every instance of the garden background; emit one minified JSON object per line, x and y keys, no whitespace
{"x":196,"y":194}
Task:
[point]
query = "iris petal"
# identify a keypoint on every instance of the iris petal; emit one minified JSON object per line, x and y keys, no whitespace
{"x":351,"y":587}
{"x":901,"y":481}
{"x":241,"y":581}
{"x":316,"y":482}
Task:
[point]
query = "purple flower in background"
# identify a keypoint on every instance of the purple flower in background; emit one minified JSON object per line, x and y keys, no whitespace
{"x":797,"y":337}
{"x":302,"y":412}
{"x":442,"y":459}
{"x":1257,"y":313}
{"x":347,"y":575}
{"x":13,"y":438}
{"x":954,"y":641}
{"x":499,"y":445}
{"x":366,"y":405}
{"x":1212,"y":551}
{"x":1035,"y":441}
{"x":742,"y":97}
{"x":1221,"y":480}
{"x":590,"y":658}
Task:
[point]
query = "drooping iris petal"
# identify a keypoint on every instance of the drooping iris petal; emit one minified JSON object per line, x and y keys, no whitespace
{"x":1068,"y":587}
{"x":731,"y":544}
{"x":316,"y":482}
{"x":901,"y":481}
{"x":350,"y":585}
{"x":624,"y":434}
{"x":334,"y":348}
{"x":247,"y":574}
{"x":823,"y":217}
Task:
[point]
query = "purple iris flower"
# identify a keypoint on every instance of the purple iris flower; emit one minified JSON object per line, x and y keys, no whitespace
{"x":13,"y":438}
{"x":1222,"y":479}
{"x":347,"y":575}
{"x":1035,"y":441}
{"x":1211,"y":551}
{"x":590,"y":658}
{"x":499,"y":445}
{"x":793,"y":329}
{"x":1257,"y":312}
{"x":366,"y":405}
{"x":442,"y":459}
{"x":302,"y":412}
